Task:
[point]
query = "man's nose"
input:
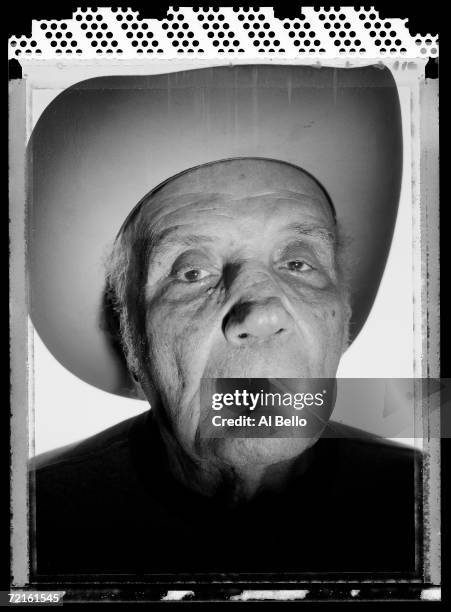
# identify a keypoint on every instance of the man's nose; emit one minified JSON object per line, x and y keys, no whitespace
{"x":257,"y":321}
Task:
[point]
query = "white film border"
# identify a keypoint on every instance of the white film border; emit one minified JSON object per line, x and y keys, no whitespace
{"x":206,"y":32}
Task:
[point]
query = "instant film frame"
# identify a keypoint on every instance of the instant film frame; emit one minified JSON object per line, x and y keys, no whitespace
{"x":52,"y":61}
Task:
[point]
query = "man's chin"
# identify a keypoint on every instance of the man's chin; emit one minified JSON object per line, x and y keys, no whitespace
{"x":243,"y":453}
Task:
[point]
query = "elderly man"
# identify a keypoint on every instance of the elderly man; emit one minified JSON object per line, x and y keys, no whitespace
{"x":231,"y":269}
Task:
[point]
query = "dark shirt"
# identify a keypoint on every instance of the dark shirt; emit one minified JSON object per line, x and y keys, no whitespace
{"x":108,"y":505}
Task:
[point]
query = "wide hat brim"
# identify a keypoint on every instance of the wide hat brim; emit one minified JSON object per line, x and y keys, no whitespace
{"x":103,"y":143}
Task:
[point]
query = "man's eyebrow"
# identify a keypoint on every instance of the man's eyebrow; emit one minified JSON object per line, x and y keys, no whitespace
{"x":173,"y":237}
{"x":321,"y":233}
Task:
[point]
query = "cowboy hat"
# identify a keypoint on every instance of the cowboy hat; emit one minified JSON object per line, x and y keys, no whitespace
{"x":104,"y":143}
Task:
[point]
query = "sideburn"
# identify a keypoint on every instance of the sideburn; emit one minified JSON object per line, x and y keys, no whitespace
{"x":139,"y":253}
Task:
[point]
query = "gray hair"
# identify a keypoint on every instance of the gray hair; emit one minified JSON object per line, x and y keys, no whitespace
{"x":117,"y":276}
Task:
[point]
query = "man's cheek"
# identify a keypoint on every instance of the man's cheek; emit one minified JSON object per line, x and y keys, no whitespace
{"x":193,"y":314}
{"x":178,"y":336}
{"x":334,"y":322}
{"x":333,"y":325}
{"x":334,"y":314}
{"x":325,"y":305}
{"x":320,"y":318}
{"x":182,"y":307}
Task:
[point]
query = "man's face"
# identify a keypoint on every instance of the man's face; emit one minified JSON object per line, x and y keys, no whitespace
{"x":242,"y":282}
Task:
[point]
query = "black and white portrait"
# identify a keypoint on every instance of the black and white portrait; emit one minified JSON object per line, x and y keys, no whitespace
{"x":216,"y":224}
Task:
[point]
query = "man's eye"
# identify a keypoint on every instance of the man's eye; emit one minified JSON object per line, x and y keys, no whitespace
{"x":298,"y":266}
{"x":191,"y":275}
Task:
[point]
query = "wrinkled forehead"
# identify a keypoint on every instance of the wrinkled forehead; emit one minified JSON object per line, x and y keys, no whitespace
{"x":228,"y":182}
{"x":241,"y":179}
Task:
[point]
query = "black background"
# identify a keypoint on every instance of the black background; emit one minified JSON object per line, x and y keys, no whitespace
{"x":424,"y":18}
